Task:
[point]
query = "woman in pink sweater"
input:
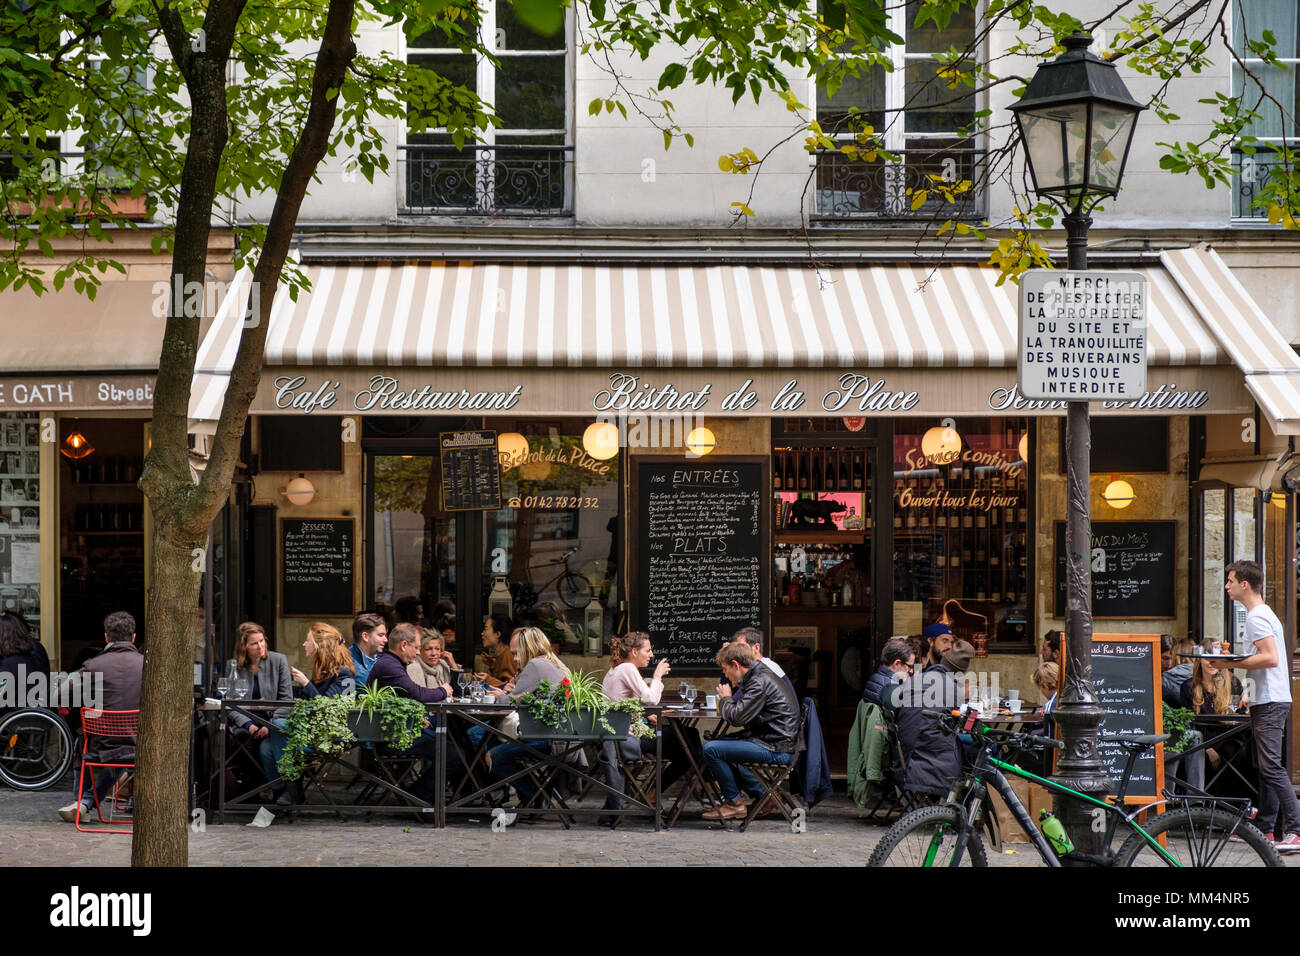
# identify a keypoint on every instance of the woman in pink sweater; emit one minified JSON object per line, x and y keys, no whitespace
{"x":628,"y":655}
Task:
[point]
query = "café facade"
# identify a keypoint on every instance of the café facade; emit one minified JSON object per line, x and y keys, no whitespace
{"x":829,"y":453}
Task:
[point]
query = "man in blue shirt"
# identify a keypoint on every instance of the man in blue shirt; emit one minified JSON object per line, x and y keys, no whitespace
{"x":369,"y":637}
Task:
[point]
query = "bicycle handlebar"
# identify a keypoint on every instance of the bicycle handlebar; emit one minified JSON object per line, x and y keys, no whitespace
{"x":948,"y":723}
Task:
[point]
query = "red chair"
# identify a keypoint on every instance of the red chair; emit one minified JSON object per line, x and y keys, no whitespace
{"x":114,"y":730}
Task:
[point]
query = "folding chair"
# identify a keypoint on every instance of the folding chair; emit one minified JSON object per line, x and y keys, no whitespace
{"x":116,"y":731}
{"x":774,"y":777}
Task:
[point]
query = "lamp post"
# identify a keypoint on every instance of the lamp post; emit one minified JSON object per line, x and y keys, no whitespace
{"x":1076,"y":121}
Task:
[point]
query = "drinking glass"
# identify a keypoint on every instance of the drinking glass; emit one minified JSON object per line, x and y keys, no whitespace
{"x":242,"y":688}
{"x":682,"y":689}
{"x":223,"y":686}
{"x":462,"y":681}
{"x":691,"y":693}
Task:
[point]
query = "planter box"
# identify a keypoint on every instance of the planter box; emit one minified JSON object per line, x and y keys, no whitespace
{"x":366,"y":726}
{"x":580,"y":726}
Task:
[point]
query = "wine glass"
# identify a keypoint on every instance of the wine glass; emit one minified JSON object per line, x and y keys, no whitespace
{"x":242,"y":687}
{"x":223,"y":686}
{"x":462,"y":681}
{"x":690,"y":695}
{"x":682,"y":689}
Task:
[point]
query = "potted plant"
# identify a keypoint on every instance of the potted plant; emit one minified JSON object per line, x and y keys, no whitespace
{"x":576,"y":707}
{"x":331,"y":725}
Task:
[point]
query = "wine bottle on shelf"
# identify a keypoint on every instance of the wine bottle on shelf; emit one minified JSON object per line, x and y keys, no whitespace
{"x":778,"y":475}
{"x":843,"y":472}
{"x":832,"y":473}
{"x":803,"y":470}
{"x":817,"y":471}
{"x":857,"y":471}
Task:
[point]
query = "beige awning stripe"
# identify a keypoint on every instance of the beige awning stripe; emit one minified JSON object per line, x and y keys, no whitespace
{"x":1238,"y":324}
{"x":493,"y":315}
{"x":1278,"y":397}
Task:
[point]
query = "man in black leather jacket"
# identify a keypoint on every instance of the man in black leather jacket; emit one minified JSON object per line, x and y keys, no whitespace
{"x":769,"y":713}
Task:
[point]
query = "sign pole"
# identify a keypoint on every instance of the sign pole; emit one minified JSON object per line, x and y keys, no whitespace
{"x":1079,"y":711}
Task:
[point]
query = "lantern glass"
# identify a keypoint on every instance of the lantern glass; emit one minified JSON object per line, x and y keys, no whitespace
{"x":1112,"y":128}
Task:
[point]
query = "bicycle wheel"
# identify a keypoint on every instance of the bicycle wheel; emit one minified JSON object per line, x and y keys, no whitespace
{"x":574,"y":590}
{"x":35,"y":749}
{"x":927,"y":837}
{"x":1199,"y":836}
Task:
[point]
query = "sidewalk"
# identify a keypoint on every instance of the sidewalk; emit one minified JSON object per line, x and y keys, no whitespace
{"x":32,"y":835}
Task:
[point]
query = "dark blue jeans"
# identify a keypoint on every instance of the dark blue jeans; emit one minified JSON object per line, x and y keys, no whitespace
{"x":426,"y":745}
{"x":723,"y":758}
{"x":507,"y":759}
{"x":1277,"y":797}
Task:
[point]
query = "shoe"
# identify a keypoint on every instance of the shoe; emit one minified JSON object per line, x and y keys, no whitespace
{"x":608,"y":822}
{"x":1290,"y":845}
{"x":69,"y":813}
{"x":727,"y":811}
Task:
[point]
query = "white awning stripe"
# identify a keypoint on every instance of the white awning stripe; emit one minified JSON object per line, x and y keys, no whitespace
{"x":1279,"y":400}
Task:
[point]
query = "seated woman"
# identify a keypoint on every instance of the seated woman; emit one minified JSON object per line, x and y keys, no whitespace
{"x":627,"y":656}
{"x":333,"y":673}
{"x":499,"y":662}
{"x":268,"y":676}
{"x":1046,"y":678}
{"x":21,"y":655}
{"x":1212,"y":689}
{"x":532,"y":651}
{"x":434,"y":666}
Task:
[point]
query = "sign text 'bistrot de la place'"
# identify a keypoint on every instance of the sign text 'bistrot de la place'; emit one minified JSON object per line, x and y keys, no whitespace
{"x":1083,"y":335}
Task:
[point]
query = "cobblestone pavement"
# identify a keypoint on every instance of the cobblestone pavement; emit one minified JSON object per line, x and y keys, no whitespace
{"x":31,"y":834}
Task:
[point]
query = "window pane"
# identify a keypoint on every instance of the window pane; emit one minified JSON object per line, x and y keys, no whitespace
{"x":530,"y":92}
{"x":453,"y":67}
{"x":1212,"y":562}
{"x":1250,"y":20}
{"x":557,"y":500}
{"x":958,"y":34}
{"x":513,"y":35}
{"x":866,"y":93}
{"x":931,"y":106}
{"x":415,"y":541}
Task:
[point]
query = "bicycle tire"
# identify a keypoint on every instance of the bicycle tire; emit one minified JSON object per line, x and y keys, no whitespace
{"x":574,"y":590}
{"x":1198,"y":836}
{"x":908,"y":841}
{"x":35,"y":749}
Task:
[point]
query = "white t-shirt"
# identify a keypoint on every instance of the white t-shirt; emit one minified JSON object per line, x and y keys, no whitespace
{"x":776,"y":668}
{"x":1272,"y":684}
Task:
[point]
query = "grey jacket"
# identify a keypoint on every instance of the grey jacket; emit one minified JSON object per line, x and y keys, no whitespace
{"x":536,"y":671}
{"x":275,"y":683}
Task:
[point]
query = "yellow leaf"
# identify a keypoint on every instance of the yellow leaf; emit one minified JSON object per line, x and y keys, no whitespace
{"x":1274,"y":214}
{"x":869,"y":156}
{"x":725,"y":164}
{"x":743,"y":208}
{"x":919,"y":198}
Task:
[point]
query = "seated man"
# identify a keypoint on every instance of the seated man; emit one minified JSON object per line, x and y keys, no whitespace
{"x":932,"y":757}
{"x":897,"y":661}
{"x":940,"y":636}
{"x":390,"y":671}
{"x":767,"y":709}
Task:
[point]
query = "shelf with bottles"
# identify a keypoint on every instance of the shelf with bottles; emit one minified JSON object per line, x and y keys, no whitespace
{"x":820,"y":470}
{"x":827,"y":574}
{"x":108,"y":470}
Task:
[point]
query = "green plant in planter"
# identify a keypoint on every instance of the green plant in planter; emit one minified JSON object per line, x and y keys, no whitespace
{"x":322,"y":725}
{"x":556,"y":704}
{"x":1177,"y":721}
{"x":400,"y":718}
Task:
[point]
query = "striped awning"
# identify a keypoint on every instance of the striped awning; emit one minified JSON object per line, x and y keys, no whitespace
{"x":679,"y":315}
{"x":1278,"y":397}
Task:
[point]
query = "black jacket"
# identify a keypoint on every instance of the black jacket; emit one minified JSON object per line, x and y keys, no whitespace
{"x":766,"y":708}
{"x":932,"y":757}
{"x":876,"y":684}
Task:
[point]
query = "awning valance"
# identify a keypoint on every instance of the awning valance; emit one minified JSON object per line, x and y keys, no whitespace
{"x":460,"y":316}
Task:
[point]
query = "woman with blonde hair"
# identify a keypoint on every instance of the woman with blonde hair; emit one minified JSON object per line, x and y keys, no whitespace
{"x":537,"y":663}
{"x":434,"y":666}
{"x":1211,"y":688}
{"x":333,"y":673}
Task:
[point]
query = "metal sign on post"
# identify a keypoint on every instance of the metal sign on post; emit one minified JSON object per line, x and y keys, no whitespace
{"x":1083,"y":335}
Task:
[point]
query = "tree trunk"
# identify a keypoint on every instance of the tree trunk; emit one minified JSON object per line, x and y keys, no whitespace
{"x":163,"y":755}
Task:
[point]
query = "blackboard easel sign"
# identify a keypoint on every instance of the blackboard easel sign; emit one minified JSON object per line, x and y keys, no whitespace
{"x":471,"y":471}
{"x":1133,"y":565}
{"x":1126,"y":676}
{"x":701,"y":553}
{"x":317,"y":567}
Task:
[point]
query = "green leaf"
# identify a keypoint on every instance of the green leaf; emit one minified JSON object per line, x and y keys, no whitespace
{"x":672,"y":76}
{"x":544,"y":16}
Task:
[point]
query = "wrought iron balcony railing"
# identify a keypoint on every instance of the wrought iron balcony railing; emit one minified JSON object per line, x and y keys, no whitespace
{"x":480,"y":180}
{"x":1252,"y":173}
{"x":849,"y":188}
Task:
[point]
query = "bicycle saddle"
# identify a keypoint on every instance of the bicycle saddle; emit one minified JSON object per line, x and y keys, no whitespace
{"x":1141,"y":740}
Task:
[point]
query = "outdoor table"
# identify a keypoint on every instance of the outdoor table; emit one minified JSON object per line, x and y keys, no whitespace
{"x":1216,"y":729}
{"x":218,"y":716}
{"x":695,"y":783}
{"x":546,"y":768}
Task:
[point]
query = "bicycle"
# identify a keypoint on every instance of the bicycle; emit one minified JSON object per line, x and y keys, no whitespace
{"x":573,"y":587}
{"x":1200,"y":831}
{"x":36,"y":748}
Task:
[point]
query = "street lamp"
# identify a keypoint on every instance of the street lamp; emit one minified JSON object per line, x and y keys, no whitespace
{"x":1076,"y":121}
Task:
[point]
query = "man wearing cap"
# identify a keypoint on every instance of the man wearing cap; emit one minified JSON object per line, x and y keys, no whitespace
{"x":932,"y":757}
{"x":940,"y":636}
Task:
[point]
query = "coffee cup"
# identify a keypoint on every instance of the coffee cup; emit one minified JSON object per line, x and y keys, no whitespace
{"x":1013,"y":705}
{"x":1013,"y":695}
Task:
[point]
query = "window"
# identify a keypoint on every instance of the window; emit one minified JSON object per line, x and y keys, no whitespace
{"x":921,"y":119}
{"x":1274,"y":127}
{"x":523,"y":166}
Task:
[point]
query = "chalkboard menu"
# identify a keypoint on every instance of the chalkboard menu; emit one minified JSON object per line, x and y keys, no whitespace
{"x":700,"y":561}
{"x":1126,"y":676}
{"x":471,"y":473}
{"x":316,"y":567}
{"x":1132,"y":569}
